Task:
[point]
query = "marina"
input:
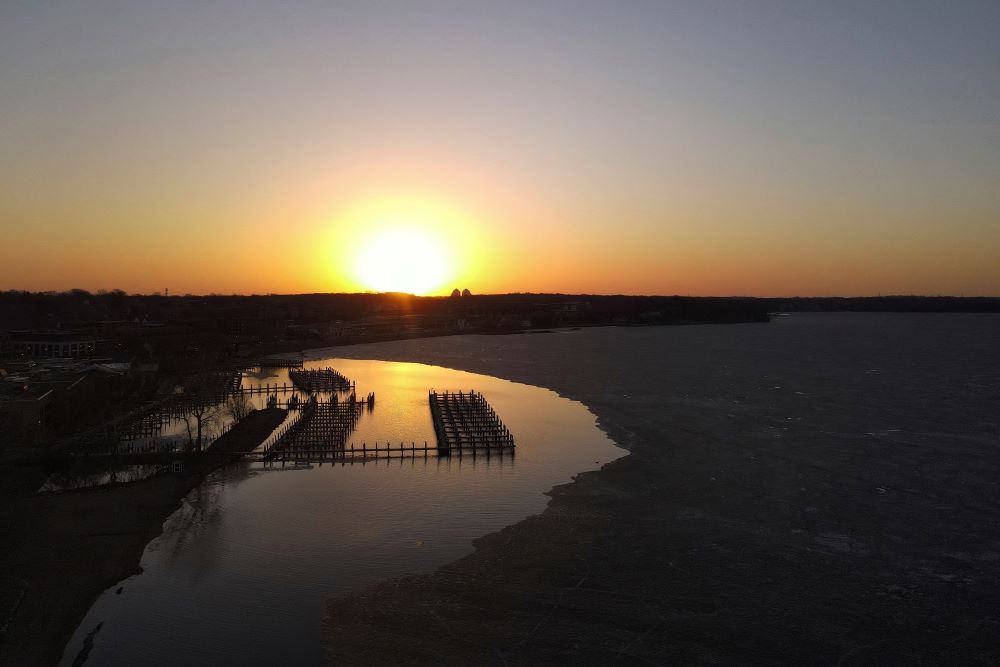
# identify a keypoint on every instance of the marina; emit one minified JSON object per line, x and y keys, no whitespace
{"x":250,"y":545}
{"x":322,"y":413}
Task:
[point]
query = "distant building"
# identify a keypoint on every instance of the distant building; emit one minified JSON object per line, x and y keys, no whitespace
{"x":29,"y":394}
{"x":60,"y":392}
{"x":50,"y":343}
{"x":573,"y":306}
{"x":466,"y":292}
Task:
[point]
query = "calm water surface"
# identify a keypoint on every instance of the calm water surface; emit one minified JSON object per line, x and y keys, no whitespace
{"x":243,"y":569}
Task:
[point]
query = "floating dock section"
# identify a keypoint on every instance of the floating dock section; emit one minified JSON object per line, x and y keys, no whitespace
{"x":464,"y":420}
{"x":320,"y":379}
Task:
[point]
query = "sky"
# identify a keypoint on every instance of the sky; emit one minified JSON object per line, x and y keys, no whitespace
{"x":704,"y":147}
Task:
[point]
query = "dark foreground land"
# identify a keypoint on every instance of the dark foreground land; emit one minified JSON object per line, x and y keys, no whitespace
{"x":824,"y":488}
{"x":69,"y":548}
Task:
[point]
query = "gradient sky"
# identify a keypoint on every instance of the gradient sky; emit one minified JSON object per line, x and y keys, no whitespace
{"x":700,"y":147}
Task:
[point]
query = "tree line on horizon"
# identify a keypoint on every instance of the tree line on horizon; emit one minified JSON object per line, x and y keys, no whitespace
{"x":49,"y":310}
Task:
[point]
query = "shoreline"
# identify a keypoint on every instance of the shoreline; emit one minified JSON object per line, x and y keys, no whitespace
{"x":72,"y":546}
{"x":663,"y":554}
{"x":734,"y":531}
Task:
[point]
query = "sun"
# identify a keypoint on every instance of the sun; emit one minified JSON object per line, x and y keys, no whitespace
{"x":403,"y":259}
{"x":403,"y":241}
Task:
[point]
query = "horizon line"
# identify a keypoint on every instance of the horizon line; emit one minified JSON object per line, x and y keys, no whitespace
{"x":167,"y":295}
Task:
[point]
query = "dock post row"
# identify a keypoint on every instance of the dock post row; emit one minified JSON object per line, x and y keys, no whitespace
{"x":464,"y":420}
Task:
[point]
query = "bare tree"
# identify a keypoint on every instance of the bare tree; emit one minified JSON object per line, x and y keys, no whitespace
{"x":238,"y":407}
{"x":202,"y":416}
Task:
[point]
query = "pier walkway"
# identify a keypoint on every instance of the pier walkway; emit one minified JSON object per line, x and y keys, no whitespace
{"x":320,"y":379}
{"x":365,"y":452}
{"x":277,"y":362}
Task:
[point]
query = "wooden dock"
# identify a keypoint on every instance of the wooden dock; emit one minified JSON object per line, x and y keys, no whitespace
{"x":365,"y":453}
{"x":147,"y":421}
{"x":273,"y":362}
{"x":320,"y":425}
{"x":320,"y":379}
{"x":253,"y":389}
{"x":464,"y":420}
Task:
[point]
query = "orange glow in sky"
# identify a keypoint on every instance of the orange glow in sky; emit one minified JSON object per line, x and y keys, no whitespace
{"x":652,"y":148}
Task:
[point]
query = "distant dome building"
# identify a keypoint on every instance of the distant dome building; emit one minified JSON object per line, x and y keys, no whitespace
{"x":466,"y":292}
{"x":455,"y":293}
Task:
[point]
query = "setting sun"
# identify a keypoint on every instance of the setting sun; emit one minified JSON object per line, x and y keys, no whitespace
{"x":403,"y":260}
{"x":400,"y":241}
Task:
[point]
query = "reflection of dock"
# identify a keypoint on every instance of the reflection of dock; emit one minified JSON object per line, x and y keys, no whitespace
{"x":466,"y":421}
{"x":321,"y":379}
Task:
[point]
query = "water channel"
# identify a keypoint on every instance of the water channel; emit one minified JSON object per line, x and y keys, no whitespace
{"x":241,"y":572}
